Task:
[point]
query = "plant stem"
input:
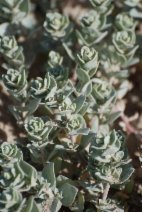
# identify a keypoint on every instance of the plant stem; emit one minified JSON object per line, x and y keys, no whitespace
{"x":106,"y":190}
{"x":42,"y":157}
{"x":56,"y":133}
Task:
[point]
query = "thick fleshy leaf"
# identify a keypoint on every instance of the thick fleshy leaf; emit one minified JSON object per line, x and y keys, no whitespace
{"x":49,"y":175}
{"x":69,"y":193}
{"x":82,"y":75}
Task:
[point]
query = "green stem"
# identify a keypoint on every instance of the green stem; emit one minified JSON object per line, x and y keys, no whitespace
{"x":42,"y":157}
{"x":106,"y":190}
{"x":56,"y":133}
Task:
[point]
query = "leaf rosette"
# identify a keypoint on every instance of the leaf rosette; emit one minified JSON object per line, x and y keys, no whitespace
{"x":57,"y":25}
{"x":89,"y":36}
{"x":125,"y":22}
{"x":103,"y":6}
{"x":11,"y":200}
{"x":11,"y":11}
{"x":11,"y":51}
{"x":88,"y":60}
{"x":59,"y":73}
{"x":106,"y":148}
{"x":9,"y":153}
{"x":108,"y":159}
{"x":43,"y":88}
{"x":37,"y":129}
{"x":114,"y":175}
{"x":19,"y":175}
{"x":102,"y":91}
{"x":93,"y":20}
{"x":54,"y":59}
{"x":15,"y":80}
{"x":77,"y":125}
{"x":124,"y":41}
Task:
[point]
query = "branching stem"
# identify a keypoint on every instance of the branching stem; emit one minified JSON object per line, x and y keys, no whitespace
{"x":106,"y":190}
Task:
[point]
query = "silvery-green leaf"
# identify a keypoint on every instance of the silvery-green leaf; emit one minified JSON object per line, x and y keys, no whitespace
{"x":135,"y":13}
{"x":55,"y":150}
{"x":31,"y":206}
{"x":79,"y":102}
{"x":127,"y":172}
{"x":133,"y":61}
{"x":84,"y":108}
{"x":63,"y":113}
{"x":30,"y":172}
{"x":95,"y":124}
{"x":15,"y":113}
{"x":86,"y":139}
{"x":79,"y":205}
{"x":82,"y":75}
{"x":57,"y":164}
{"x":119,"y":74}
{"x":83,"y":131}
{"x":122,"y":90}
{"x":87,"y":88}
{"x":69,"y":51}
{"x":24,"y":6}
{"x":33,"y":105}
{"x":112,"y":117}
{"x":8,"y":29}
{"x":69,"y":193}
{"x":56,"y":205}
{"x":61,"y":180}
{"x":49,"y":175}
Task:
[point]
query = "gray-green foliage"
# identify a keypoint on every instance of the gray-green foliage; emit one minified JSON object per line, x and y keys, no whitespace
{"x":68,"y":155}
{"x":38,"y":129}
{"x":57,"y":26}
{"x":11,"y":51}
{"x":12,"y":11}
{"x":11,"y":200}
{"x":9,"y":153}
{"x":108,"y":158}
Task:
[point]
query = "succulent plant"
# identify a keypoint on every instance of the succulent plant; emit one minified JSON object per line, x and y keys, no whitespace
{"x":56,"y":25}
{"x":15,"y":80}
{"x":9,"y":153}
{"x":125,"y":22}
{"x":67,"y":155}
{"x":94,"y":20}
{"x":88,"y":60}
{"x":19,"y":175}
{"x":124,"y":42}
{"x":31,"y":206}
{"x":11,"y":200}
{"x":43,"y":88}
{"x":38,"y":129}
{"x":54,"y":59}
{"x":93,"y":26}
{"x":108,"y":158}
{"x":58,"y":72}
{"x":101,"y":5}
{"x":11,"y":11}
{"x":102,"y":92}
{"x":11,"y":51}
{"x":55,"y":188}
